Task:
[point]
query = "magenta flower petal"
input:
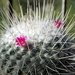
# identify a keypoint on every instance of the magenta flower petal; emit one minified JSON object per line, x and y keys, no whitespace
{"x":21,"y":41}
{"x":58,"y":23}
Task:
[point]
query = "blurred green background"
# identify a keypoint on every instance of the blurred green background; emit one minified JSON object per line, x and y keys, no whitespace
{"x":57,"y":5}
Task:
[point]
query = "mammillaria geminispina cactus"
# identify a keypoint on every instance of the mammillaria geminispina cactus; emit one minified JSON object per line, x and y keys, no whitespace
{"x":37,"y":43}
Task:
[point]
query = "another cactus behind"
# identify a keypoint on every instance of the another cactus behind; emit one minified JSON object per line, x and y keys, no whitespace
{"x":52,"y":49}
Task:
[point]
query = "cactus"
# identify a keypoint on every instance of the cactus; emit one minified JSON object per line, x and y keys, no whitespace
{"x":37,"y":44}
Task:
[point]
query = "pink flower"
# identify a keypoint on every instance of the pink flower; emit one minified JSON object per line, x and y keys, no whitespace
{"x":21,"y":41}
{"x":57,"y":23}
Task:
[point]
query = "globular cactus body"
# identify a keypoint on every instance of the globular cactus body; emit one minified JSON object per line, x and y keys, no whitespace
{"x":43,"y":48}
